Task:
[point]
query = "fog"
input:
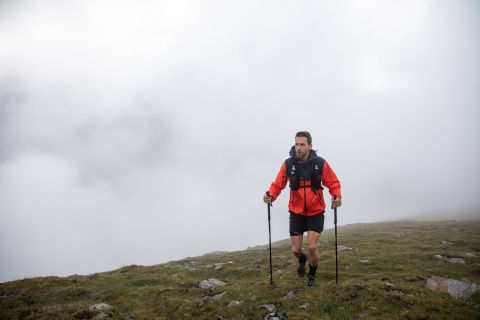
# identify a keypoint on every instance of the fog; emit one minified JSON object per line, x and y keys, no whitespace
{"x":139,"y":132}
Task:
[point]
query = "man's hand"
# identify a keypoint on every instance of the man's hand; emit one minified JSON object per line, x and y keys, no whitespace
{"x":336,"y":202}
{"x":267,"y":198}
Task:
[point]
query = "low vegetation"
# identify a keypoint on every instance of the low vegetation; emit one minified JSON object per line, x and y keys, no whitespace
{"x":383,"y":270}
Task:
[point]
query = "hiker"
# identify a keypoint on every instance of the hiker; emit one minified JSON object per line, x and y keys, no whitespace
{"x":306,"y":172}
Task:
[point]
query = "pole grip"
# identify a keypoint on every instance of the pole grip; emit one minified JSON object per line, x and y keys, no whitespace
{"x":335,"y":210}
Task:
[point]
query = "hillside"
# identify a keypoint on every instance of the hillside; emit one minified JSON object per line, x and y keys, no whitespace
{"x":458,"y":214}
{"x":384,"y":268}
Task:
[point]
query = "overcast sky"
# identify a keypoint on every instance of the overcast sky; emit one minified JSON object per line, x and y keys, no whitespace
{"x":139,"y":132}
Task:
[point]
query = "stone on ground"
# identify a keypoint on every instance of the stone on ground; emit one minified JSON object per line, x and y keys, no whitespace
{"x":269,"y":307}
{"x":276,"y":316}
{"x":210,"y":283}
{"x":455,"y":288}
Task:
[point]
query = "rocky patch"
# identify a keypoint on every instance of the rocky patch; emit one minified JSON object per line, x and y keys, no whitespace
{"x":206,"y":299}
{"x":451,"y":260}
{"x":343,"y":248}
{"x":456,"y":289}
{"x":276,"y":316}
{"x":96,"y":312}
{"x":269,"y":307}
{"x":210,"y":283}
{"x":304,"y":306}
{"x":218,"y":265}
{"x":234,"y":303}
{"x":390,"y":287}
{"x":291,"y":294}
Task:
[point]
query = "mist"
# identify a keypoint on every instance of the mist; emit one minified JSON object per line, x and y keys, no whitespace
{"x":143,"y":132}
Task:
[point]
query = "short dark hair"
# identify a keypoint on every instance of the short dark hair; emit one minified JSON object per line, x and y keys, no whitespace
{"x":305,"y":134}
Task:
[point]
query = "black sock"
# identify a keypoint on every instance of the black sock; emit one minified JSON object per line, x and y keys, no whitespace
{"x":302,"y":258}
{"x":312,"y":270}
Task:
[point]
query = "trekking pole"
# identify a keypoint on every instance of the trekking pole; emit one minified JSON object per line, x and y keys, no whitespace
{"x":336,"y":247}
{"x":270,"y":239}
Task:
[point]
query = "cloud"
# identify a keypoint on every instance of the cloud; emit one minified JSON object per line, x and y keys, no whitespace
{"x":140,"y":132}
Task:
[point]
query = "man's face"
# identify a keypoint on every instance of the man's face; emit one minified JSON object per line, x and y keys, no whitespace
{"x":302,"y":147}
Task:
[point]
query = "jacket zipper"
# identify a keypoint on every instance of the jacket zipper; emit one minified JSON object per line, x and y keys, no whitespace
{"x":304,"y":191}
{"x":305,"y":196}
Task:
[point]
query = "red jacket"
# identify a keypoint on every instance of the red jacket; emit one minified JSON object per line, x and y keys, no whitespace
{"x":314,"y":203}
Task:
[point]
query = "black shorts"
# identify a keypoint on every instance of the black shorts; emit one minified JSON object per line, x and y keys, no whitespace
{"x":301,"y":223}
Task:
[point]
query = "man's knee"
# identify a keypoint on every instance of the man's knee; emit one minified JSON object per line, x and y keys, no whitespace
{"x":312,"y":250}
{"x":296,"y":250}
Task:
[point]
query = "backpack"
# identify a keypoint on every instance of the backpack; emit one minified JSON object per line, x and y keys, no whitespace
{"x":310,"y":170}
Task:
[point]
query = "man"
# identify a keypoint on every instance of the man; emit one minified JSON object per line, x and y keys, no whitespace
{"x":305,"y":172}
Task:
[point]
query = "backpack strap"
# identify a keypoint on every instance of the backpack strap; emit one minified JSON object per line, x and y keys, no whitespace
{"x":293,"y":173}
{"x":316,"y":178}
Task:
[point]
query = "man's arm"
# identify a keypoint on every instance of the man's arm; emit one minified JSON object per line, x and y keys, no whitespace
{"x":330,"y":180}
{"x":277,"y":186}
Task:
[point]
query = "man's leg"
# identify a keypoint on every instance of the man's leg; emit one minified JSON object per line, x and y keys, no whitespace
{"x":297,"y":245}
{"x":297,"y":227}
{"x":297,"y":252}
{"x":312,"y":239}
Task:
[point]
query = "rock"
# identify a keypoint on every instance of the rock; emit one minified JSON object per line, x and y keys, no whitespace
{"x":469,"y":254}
{"x":291,"y":293}
{"x":234,"y":303}
{"x":390,"y":287}
{"x":205,"y":299}
{"x":220,"y":265}
{"x":455,"y":288}
{"x":219,"y":318}
{"x":219,"y":296}
{"x":304,"y":306}
{"x":276,"y":273}
{"x":253,"y":298}
{"x":364,"y":261}
{"x":451,"y":260}
{"x":190,"y":266}
{"x":101,"y":315}
{"x":455,"y":260}
{"x":446,"y":242}
{"x":101,"y":307}
{"x":129,"y":317}
{"x":276,"y":316}
{"x":210,"y":283}
{"x":342,"y":248}
{"x":269,"y":307}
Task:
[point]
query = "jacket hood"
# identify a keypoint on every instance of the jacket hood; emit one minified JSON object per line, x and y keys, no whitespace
{"x":312,"y":154}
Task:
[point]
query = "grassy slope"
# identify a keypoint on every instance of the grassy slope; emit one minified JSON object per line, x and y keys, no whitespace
{"x":399,"y":252}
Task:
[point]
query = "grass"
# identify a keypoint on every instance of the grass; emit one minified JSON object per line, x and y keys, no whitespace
{"x":400,"y":253}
